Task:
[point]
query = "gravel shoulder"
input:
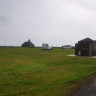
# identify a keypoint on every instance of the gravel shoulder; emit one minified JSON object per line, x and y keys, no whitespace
{"x":87,"y":90}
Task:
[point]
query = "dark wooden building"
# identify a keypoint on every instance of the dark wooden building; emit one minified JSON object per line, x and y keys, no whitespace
{"x":85,"y":47}
{"x":28,"y":44}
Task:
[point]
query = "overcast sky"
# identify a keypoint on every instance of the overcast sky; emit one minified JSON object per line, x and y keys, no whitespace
{"x":56,"y":22}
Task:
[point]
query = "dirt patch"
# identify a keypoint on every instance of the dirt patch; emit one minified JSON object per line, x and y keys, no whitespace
{"x":73,"y":55}
{"x":76,"y":86}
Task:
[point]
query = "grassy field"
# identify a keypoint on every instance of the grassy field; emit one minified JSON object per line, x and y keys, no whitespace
{"x":34,"y":72}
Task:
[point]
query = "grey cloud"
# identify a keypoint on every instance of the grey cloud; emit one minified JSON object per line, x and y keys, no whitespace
{"x":2,"y":20}
{"x":56,"y":22}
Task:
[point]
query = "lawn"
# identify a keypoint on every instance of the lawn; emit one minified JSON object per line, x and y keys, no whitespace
{"x":34,"y":72}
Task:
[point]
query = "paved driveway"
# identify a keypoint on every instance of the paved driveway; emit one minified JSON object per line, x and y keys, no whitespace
{"x":87,"y":90}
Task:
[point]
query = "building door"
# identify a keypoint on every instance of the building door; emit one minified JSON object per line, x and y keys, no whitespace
{"x":79,"y":53}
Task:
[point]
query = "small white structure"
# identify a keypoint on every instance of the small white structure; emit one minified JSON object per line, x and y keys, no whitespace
{"x":45,"y":46}
{"x":67,"y":46}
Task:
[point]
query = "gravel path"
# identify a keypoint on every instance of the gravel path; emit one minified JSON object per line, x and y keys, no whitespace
{"x":87,"y":90}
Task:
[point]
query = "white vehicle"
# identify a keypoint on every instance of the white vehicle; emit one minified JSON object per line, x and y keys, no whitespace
{"x":45,"y":46}
{"x":67,"y":47}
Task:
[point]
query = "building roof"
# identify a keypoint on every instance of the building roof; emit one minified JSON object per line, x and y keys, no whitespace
{"x":28,"y":44}
{"x":87,"y":40}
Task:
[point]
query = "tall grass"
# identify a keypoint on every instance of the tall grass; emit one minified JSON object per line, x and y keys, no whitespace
{"x":34,"y":72}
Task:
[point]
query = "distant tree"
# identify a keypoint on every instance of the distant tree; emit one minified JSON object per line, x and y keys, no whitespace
{"x":28,"y":44}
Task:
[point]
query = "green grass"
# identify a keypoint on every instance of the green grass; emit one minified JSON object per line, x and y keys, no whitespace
{"x":34,"y":72}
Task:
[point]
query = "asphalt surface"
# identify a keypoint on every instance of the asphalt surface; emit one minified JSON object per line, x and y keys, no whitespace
{"x":87,"y":90}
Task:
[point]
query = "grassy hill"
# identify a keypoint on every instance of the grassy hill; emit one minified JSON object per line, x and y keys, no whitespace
{"x":34,"y":72}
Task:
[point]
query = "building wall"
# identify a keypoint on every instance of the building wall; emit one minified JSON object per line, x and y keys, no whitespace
{"x":76,"y":49}
{"x":94,"y":49}
{"x":84,"y":49}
